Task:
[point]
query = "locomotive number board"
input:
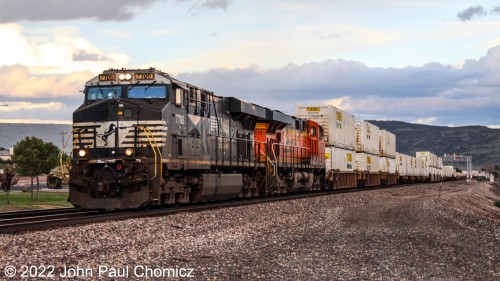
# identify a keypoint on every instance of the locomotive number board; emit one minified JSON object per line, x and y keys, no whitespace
{"x":144,"y":76}
{"x":107,"y":77}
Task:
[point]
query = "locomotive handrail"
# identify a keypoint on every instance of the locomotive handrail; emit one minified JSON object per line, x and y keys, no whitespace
{"x":156,"y":149}
{"x":287,"y":145}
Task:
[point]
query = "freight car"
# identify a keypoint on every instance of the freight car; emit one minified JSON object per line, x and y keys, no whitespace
{"x":359,"y":154}
{"x":142,"y":138}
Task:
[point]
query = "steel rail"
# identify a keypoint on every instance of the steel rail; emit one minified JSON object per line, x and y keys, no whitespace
{"x":54,"y":220}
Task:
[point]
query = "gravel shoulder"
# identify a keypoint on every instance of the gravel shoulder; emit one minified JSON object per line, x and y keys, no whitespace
{"x":428,"y":232}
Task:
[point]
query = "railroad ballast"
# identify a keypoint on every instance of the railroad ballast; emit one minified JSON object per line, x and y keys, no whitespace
{"x":143,"y":138}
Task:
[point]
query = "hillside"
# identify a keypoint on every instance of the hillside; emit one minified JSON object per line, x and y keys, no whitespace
{"x":11,"y":133}
{"x":482,"y":143}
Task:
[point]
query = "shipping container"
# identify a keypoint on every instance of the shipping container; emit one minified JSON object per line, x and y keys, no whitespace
{"x":338,"y":125}
{"x":420,"y":169}
{"x":340,"y":159}
{"x":367,"y":137}
{"x":387,"y":144}
{"x":366,"y":162}
{"x":391,"y":165}
{"x":440,"y":163}
{"x":401,"y":160}
{"x":448,"y":172}
{"x":431,"y":158}
{"x":387,"y":165}
{"x":384,"y":165}
{"x":411,"y":166}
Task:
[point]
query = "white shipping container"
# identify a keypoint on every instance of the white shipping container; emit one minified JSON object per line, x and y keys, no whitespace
{"x":367,"y":137}
{"x":440,"y":172}
{"x":420,"y":170}
{"x":391,"y":164}
{"x":411,"y":166}
{"x":387,"y":144}
{"x":340,"y":159}
{"x":449,"y":171}
{"x":338,"y":125}
{"x":387,"y":165}
{"x":401,"y":160}
{"x":367,"y":162}
{"x":440,"y":163}
{"x":384,"y":165}
{"x":431,"y":158}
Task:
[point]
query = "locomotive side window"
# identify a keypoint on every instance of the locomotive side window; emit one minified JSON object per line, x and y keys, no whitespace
{"x":312,"y":131}
{"x":104,"y":92}
{"x":147,"y":91}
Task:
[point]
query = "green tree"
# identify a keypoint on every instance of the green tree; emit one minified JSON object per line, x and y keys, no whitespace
{"x":7,"y":179}
{"x":33,"y":157}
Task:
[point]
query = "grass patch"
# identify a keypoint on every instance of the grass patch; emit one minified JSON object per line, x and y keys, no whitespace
{"x":22,"y":200}
{"x":497,"y":203}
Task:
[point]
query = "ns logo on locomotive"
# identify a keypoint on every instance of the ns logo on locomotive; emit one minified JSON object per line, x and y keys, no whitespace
{"x":142,"y":138}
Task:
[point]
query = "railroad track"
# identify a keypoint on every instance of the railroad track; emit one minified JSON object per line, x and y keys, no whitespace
{"x":15,"y":222}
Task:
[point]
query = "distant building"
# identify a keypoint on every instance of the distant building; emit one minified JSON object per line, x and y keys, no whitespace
{"x":6,"y":155}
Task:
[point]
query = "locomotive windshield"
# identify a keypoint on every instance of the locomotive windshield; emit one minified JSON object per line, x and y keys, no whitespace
{"x":104,"y":92}
{"x":147,"y":91}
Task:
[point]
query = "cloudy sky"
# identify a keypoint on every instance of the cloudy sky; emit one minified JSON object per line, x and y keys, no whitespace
{"x":423,"y":61}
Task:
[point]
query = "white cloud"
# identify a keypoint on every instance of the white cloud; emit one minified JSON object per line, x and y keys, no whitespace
{"x":19,"y":82}
{"x":35,"y":112}
{"x":53,"y":51}
{"x":17,"y":106}
{"x":451,"y":95}
{"x":426,"y":121}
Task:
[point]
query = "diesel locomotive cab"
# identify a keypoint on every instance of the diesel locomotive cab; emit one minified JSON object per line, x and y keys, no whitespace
{"x":118,"y":136}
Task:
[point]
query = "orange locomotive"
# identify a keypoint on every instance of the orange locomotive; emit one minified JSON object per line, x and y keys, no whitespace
{"x":296,"y":155}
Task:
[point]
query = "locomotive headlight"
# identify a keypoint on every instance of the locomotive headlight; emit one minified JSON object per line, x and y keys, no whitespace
{"x":129,"y":151}
{"x":82,"y":153}
{"x":125,"y":76}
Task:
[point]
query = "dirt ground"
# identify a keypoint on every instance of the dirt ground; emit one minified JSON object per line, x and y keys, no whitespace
{"x":424,"y":232}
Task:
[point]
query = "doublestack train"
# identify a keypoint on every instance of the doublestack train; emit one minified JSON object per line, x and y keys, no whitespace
{"x":143,"y":138}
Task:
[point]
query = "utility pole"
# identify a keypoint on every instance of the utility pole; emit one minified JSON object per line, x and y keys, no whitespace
{"x":62,"y":133}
